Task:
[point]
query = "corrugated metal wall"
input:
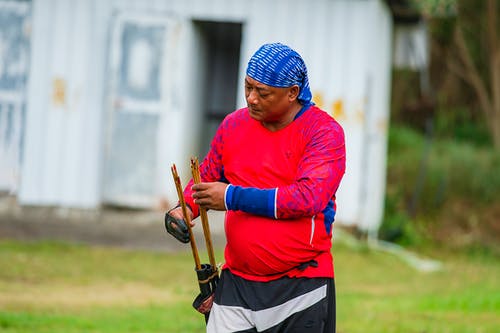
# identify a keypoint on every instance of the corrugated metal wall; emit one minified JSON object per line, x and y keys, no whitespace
{"x":64,"y":106}
{"x":346,"y":45}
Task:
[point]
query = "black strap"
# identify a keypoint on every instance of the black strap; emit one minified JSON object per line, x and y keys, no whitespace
{"x":312,"y":263}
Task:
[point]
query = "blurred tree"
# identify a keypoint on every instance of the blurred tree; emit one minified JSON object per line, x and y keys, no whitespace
{"x":475,"y":57}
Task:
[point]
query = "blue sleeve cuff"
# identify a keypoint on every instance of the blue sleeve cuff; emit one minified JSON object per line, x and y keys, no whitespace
{"x":251,"y":200}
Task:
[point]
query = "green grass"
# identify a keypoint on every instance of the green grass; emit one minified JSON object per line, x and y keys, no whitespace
{"x":54,"y":287}
{"x":377,"y":293}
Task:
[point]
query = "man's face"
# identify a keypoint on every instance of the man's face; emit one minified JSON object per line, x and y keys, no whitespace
{"x":268,"y":104}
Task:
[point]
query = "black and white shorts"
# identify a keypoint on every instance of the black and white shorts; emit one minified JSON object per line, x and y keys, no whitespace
{"x":283,"y":305}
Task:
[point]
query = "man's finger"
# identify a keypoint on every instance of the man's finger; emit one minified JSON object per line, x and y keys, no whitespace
{"x":199,"y":187}
{"x":201,"y":202}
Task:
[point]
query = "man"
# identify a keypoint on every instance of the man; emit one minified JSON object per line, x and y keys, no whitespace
{"x":274,"y":167}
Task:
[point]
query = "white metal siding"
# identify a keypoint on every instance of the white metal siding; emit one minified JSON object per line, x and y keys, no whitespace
{"x":63,"y":140}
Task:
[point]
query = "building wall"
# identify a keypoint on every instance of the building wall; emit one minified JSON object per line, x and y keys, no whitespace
{"x":64,"y":114}
{"x":376,"y":120}
{"x":15,"y":24}
{"x":345,"y":43}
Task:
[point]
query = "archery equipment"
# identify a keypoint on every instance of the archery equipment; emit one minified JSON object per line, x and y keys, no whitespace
{"x":207,"y":274}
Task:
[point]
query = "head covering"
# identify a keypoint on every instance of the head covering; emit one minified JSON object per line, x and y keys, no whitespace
{"x":278,"y":65}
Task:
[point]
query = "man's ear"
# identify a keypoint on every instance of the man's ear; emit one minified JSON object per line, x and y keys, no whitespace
{"x":293,"y":93}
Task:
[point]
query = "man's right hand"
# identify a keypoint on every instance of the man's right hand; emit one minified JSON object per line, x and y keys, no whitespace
{"x":176,"y":224}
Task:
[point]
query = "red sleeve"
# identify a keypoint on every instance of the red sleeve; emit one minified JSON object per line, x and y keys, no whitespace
{"x":319,"y":174}
{"x":211,"y":169}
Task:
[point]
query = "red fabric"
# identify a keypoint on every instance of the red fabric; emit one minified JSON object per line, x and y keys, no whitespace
{"x":305,"y":161}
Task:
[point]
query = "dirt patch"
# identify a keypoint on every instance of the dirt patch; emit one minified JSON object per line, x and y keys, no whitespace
{"x":138,"y":229}
{"x":71,"y":296}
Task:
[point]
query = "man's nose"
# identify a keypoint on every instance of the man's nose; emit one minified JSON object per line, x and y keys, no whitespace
{"x":252,"y":97}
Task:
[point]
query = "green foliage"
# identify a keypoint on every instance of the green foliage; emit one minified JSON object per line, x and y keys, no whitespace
{"x":396,"y":222}
{"x":426,"y":174}
{"x":404,"y":140}
{"x":472,"y":172}
{"x":435,"y":7}
{"x":472,"y":21}
{"x":454,"y":104}
{"x":442,"y":29}
{"x":451,"y":169}
{"x":457,"y":123}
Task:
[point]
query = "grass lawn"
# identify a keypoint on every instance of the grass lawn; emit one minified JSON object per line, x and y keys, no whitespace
{"x":56,"y":287}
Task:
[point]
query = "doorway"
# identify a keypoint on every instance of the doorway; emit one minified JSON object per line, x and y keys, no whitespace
{"x":139,"y":48}
{"x":221,"y":43}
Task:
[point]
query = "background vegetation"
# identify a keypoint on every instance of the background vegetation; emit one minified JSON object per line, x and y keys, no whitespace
{"x":443,"y":184}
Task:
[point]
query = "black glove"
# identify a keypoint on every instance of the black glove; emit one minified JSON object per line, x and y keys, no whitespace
{"x":177,"y":228}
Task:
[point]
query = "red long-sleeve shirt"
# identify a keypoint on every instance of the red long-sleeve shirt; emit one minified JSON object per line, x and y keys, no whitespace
{"x":281,"y":201}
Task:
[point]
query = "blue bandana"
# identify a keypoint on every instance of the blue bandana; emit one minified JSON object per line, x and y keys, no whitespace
{"x":277,"y":65}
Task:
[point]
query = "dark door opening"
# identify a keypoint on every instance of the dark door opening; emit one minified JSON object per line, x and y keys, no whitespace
{"x":221,"y":42}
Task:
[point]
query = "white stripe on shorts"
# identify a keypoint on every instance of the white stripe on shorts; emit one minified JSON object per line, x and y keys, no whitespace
{"x":226,"y":319}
